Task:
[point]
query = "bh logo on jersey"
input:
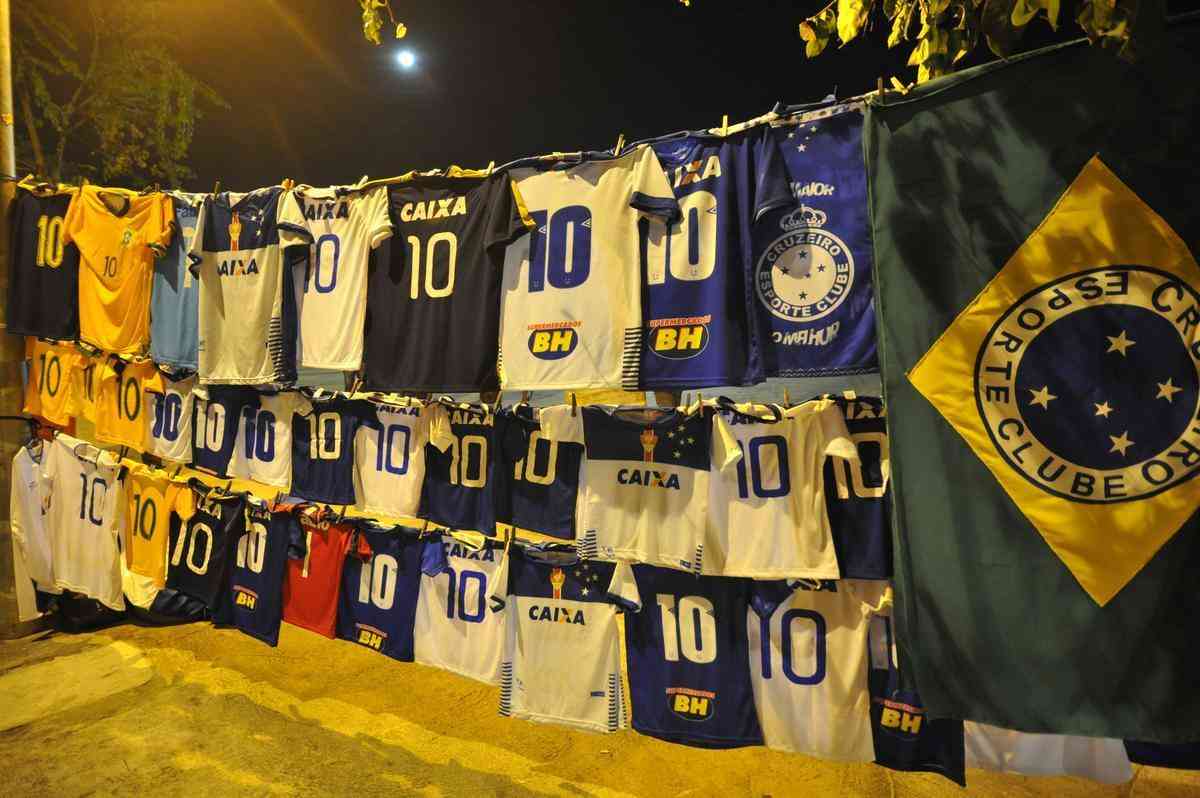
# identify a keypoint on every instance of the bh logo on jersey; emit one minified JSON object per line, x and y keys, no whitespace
{"x":555,"y":340}
{"x":244,"y":597}
{"x":806,"y":273}
{"x":900,"y":718}
{"x":370,"y":636}
{"x":679,"y":339}
{"x":691,"y":704}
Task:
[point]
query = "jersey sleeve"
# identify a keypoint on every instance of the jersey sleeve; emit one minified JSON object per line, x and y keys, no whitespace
{"x":725,"y":449}
{"x":433,"y":557}
{"x":622,"y":588}
{"x":195,"y":247}
{"x":162,"y":225}
{"x":771,"y":187}
{"x":508,"y":218}
{"x":289,"y":218}
{"x":559,"y":425}
{"x":652,"y":192}
{"x":184,"y":505}
{"x":153,"y":381}
{"x":766,"y":596}
{"x":498,"y":593}
{"x":73,"y":221}
{"x":835,"y":434}
{"x":375,"y":211}
{"x":440,"y":434}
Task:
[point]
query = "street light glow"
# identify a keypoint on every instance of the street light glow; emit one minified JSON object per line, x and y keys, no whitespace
{"x":406,"y":59}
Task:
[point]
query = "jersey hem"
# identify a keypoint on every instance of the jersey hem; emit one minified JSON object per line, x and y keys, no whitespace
{"x":781,"y":574}
{"x":267,"y":379}
{"x":387,"y":513}
{"x":494,"y":681}
{"x":191,"y":365}
{"x":698,"y":740}
{"x":380,"y":385}
{"x":64,"y":585}
{"x":564,"y":386}
{"x":313,"y":497}
{"x":685,"y":564}
{"x":270,"y":641}
{"x":348,"y":366}
{"x":659,"y":384}
{"x":570,"y":722}
{"x":70,"y":339}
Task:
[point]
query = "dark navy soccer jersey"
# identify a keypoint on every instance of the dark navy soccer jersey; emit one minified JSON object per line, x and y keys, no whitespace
{"x":905,"y":738}
{"x":1181,"y":756}
{"x":697,"y":271}
{"x":381,"y":582}
{"x":545,"y":475}
{"x":857,"y":495}
{"x":463,"y":484}
{"x":255,"y":599}
{"x":323,"y":450}
{"x":218,"y":409}
{"x":201,"y":547}
{"x":43,"y":289}
{"x":689,"y":656}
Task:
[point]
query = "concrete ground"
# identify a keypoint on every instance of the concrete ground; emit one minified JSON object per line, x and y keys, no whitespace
{"x":194,"y":711}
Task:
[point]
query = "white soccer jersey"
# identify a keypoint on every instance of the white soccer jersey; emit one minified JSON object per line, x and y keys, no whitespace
{"x":1096,"y":758}
{"x":389,"y":459}
{"x":84,"y":516}
{"x":562,"y":649}
{"x":341,"y":228}
{"x":768,"y":517}
{"x":571,"y":315}
{"x":169,"y":422}
{"x":455,"y":628}
{"x":30,"y":534}
{"x":263,"y":451}
{"x":810,"y":675}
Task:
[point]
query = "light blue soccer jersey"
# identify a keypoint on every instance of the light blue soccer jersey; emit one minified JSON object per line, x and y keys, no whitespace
{"x":174,"y":301}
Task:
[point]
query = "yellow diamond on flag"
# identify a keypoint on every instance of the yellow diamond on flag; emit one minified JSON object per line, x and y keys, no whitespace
{"x":1053,"y":376}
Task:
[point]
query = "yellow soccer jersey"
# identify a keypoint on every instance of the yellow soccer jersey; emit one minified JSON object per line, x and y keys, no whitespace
{"x":85,"y":386}
{"x":119,"y":233}
{"x":121,"y":403}
{"x":49,"y":391}
{"x":151,"y":496}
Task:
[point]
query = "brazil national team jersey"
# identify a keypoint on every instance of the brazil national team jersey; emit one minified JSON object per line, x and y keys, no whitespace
{"x":51,"y":390}
{"x":545,"y":475}
{"x":152,"y":498}
{"x":215,"y":425}
{"x":380,"y":584}
{"x":264,"y":438}
{"x":463,"y":481}
{"x":256,"y":579}
{"x":562,"y":650}
{"x":767,"y":517}
{"x":123,"y":401}
{"x":808,"y":665}
{"x":119,"y":234}
{"x":438,"y":280}
{"x":699,"y":314}
{"x":340,"y":227}
{"x":323,"y":450}
{"x":83,"y":514}
{"x":169,"y":419}
{"x":455,"y":628}
{"x":858,"y":495}
{"x":571,"y":314}
{"x":310,"y":589}
{"x":689,"y":660}
{"x":389,"y":458}
{"x":201,"y":547}
{"x":644,"y":482}
{"x":43,"y":287}
{"x":247,"y":309}
{"x":175,"y":298}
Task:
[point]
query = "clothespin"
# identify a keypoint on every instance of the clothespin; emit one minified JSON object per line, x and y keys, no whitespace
{"x":879,"y":87}
{"x":491,"y":167}
{"x":228,"y":487}
{"x":424,"y":529}
{"x":620,"y":144}
{"x":725,"y":125}
{"x":849,"y":394}
{"x":287,"y":183}
{"x":574,"y":405}
{"x":525,"y":395}
{"x":699,"y":399}
{"x":787,"y":398}
{"x":216,"y":188}
{"x":508,"y":539}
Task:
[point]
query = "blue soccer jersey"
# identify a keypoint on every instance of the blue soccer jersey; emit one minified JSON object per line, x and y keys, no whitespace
{"x":218,"y":409}
{"x":381,"y":582}
{"x":545,"y":475}
{"x":462,"y":481}
{"x":323,"y":450}
{"x":256,"y":579}
{"x":857,"y":494}
{"x":175,"y":295}
{"x":199,"y":555}
{"x":689,"y":656}
{"x":698,"y":309}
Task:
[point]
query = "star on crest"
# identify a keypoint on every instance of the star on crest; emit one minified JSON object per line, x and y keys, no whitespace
{"x":691,"y":439}
{"x":1042,"y":397}
{"x":820,"y":268}
{"x":801,"y":148}
{"x":583,"y":591}
{"x":1119,"y":343}
{"x":785,"y":270}
{"x":671,"y":434}
{"x":803,"y":295}
{"x":677,"y":454}
{"x":1167,"y":390}
{"x":1103,"y":409}
{"x":1120,"y":442}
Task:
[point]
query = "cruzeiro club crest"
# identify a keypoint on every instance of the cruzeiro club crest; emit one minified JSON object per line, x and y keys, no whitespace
{"x":1088,"y":387}
{"x":807,"y":272}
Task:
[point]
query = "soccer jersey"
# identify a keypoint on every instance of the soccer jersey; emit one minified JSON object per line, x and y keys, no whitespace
{"x":50,"y":391}
{"x":340,"y":227}
{"x":119,"y":234}
{"x":43,"y":285}
{"x":858,"y":495}
{"x":455,"y":629}
{"x":82,"y":495}
{"x":256,"y":578}
{"x":85,"y":385}
{"x":689,"y":659}
{"x":151,"y":499}
{"x":310,"y":589}
{"x":767,"y":517}
{"x":28,"y":516}
{"x":169,"y":420}
{"x":389,"y":458}
{"x":122,"y":401}
{"x":247,"y":309}
{"x":643,"y":488}
{"x":439,"y":280}
{"x":698,"y":309}
{"x":545,"y":476}
{"x":808,"y":665}
{"x":571,"y":313}
{"x":1097,"y":758}
{"x":201,"y":546}
{"x":175,"y":298}
{"x":264,"y":449}
{"x":323,"y":450}
{"x":562,"y":649}
{"x":215,"y":425}
{"x":463,"y":478}
{"x":380,"y":584}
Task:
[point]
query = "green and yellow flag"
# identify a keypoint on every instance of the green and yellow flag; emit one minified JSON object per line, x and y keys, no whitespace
{"x":1039,"y":311}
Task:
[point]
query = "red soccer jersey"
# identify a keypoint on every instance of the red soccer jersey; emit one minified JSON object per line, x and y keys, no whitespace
{"x":310,"y":591}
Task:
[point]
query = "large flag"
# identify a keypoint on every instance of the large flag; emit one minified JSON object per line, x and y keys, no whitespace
{"x":1036,"y":227}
